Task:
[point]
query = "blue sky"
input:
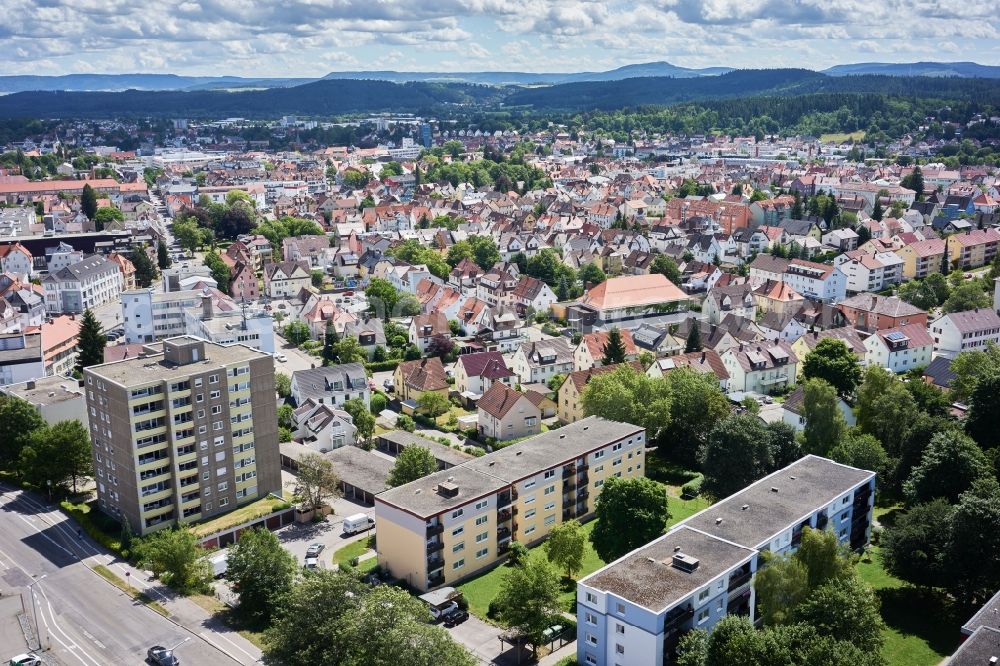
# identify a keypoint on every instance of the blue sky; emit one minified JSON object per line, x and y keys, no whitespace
{"x":314,"y":37}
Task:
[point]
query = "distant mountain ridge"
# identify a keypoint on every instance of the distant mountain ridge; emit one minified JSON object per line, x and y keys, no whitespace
{"x":659,"y":69}
{"x":959,"y":69}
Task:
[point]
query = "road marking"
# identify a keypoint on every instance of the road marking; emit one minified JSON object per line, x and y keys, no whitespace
{"x":207,"y":638}
{"x":71,"y":646}
{"x":93,"y":638}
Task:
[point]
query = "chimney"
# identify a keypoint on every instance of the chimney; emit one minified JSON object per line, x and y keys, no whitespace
{"x":30,"y":384}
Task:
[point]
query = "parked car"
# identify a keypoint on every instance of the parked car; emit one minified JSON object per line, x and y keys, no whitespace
{"x":25,"y":660}
{"x":387,"y":385}
{"x":439,"y":612}
{"x":314,"y":549}
{"x":456,"y":617}
{"x":161,"y":656}
{"x":281,"y":358}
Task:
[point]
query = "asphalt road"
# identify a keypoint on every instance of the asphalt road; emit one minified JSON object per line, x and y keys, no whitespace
{"x":83,"y":619}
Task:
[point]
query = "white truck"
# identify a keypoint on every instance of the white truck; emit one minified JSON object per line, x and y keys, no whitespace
{"x":218,"y":563}
{"x":359,"y":522}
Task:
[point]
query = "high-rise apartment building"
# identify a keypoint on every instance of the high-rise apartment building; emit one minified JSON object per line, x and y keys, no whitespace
{"x":184,"y":432}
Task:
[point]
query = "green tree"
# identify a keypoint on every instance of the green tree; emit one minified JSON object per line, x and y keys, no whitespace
{"x":285,"y":414}
{"x":91,"y":342}
{"x":969,"y":366}
{"x":824,"y":557}
{"x":362,"y":418}
{"x":412,"y":463}
{"x":693,"y":343}
{"x":162,"y":257}
{"x":736,"y":454}
{"x":975,"y":539}
{"x":330,"y":339}
{"x":296,"y":332}
{"x":175,"y":556}
{"x":220,"y":270}
{"x":630,"y":397}
{"x":914,"y":181}
{"x":382,"y":297}
{"x":833,"y":361}
{"x":697,"y":404}
{"x":377,"y":403}
{"x":877,"y":212}
{"x":846,"y":609}
{"x":884,"y":407}
{"x":950,"y":465}
{"x":630,"y":513}
{"x":405,"y":422}
{"x":88,"y":201}
{"x":591,"y":274}
{"x":825,"y":424}
{"x":433,"y":404}
{"x":282,"y":385}
{"x":316,"y":481}
{"x":967,"y":296}
{"x":566,"y":545}
{"x":528,"y":599}
{"x":18,"y":422}
{"x":780,"y":587}
{"x":915,"y":547}
{"x":614,"y":348}
{"x":984,"y":410}
{"x":145,"y":269}
{"x":262,"y":573}
{"x":105,"y":216}
{"x":349,"y":350}
{"x":666,"y":266}
{"x":59,"y":454}
{"x":188,"y":234}
{"x":864,"y":452}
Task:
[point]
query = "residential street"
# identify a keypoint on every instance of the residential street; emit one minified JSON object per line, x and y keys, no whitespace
{"x":37,"y":542}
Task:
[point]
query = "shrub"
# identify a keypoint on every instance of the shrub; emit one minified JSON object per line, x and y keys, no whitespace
{"x":382,"y":366}
{"x":517,"y":552}
{"x":693,"y":487}
{"x":98,"y":527}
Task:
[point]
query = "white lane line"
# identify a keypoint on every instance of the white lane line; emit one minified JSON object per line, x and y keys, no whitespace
{"x":59,"y":628}
{"x":71,"y":647}
{"x":208,"y":639}
{"x":223,"y":637}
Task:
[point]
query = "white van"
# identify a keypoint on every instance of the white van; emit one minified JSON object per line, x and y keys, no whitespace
{"x":219,"y":563}
{"x":359,"y":522}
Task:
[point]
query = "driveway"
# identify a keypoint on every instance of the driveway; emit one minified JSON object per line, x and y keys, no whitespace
{"x":479,"y":638}
{"x":330,"y":532}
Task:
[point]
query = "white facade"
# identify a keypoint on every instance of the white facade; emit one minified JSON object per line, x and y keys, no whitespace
{"x":825,"y":285}
{"x":965,"y":331}
{"x":148,"y":316}
{"x":85,"y":285}
{"x":897,"y":354}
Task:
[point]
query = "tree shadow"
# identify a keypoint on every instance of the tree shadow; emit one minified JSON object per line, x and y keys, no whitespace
{"x":928,"y":614}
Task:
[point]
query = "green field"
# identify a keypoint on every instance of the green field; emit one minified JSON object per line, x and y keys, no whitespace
{"x":480,"y":591}
{"x":921,"y":627}
{"x":840,"y":137}
{"x":358,"y":548}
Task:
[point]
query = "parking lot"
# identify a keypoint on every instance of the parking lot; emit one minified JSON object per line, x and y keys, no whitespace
{"x":329,"y":532}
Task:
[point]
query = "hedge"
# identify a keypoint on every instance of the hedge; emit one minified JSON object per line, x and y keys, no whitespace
{"x":692,"y":488}
{"x":382,"y":366}
{"x":81,"y":514}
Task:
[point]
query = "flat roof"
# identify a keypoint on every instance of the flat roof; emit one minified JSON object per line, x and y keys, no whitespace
{"x":804,"y":486}
{"x":987,"y":616}
{"x":487,"y":474}
{"x":441,"y":453}
{"x":647,"y":576}
{"x":978,"y":649}
{"x":49,"y":390}
{"x":152,"y":367}
{"x":361,"y":469}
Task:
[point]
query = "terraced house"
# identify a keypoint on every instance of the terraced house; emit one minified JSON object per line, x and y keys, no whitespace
{"x":636,"y":609}
{"x":458,"y":522}
{"x":184,"y":432}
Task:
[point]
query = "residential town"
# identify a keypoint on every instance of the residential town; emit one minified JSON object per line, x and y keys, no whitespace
{"x":557,"y":397}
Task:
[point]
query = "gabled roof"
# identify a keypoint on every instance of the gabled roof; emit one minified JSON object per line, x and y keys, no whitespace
{"x":633,"y":291}
{"x":425,"y":374}
{"x":598,"y":340}
{"x":581,"y":378}
{"x":890,"y":306}
{"x":499,"y":400}
{"x":490,"y":365}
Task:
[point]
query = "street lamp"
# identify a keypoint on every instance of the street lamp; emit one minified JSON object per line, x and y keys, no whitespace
{"x":34,"y":609}
{"x":180,"y":644}
{"x":49,"y":483}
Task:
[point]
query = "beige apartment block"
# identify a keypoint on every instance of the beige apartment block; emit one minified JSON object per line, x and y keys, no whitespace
{"x":186,"y":431}
{"x":460,"y":521}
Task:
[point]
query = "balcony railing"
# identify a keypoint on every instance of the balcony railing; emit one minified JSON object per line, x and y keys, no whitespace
{"x":582,"y":494}
{"x":568,"y":472}
{"x":583,"y":479}
{"x":434,"y":581}
{"x":503,"y":533}
{"x":503,"y":500}
{"x":736,"y":582}
{"x":504,"y":516}
{"x":434,"y":547}
{"x":569,"y":514}
{"x":434,"y":530}
{"x":569,"y":486}
{"x":435,"y":562}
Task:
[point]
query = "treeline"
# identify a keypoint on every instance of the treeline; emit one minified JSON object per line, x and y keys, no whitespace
{"x":324,"y":98}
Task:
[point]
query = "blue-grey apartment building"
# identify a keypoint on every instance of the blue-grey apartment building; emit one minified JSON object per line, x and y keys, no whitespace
{"x":635,"y":610}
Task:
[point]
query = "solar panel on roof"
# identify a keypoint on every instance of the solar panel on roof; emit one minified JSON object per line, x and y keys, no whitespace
{"x":895,"y":336}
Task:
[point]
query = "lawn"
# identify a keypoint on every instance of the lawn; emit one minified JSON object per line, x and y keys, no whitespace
{"x":357,"y":549}
{"x":480,"y":591}
{"x":921,"y":625}
{"x":841,"y":137}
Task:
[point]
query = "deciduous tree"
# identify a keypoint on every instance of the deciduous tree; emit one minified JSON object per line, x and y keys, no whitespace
{"x":316,"y":481}
{"x":433,"y":404}
{"x":59,"y":454}
{"x":175,"y":556}
{"x":566,"y":545}
{"x":631,"y":397}
{"x":736,"y":454}
{"x":630,"y":513}
{"x":833,"y":361}
{"x":951,"y":463}
{"x":363,"y":419}
{"x":825,"y":424}
{"x":262,"y":573}
{"x":528,"y":599}
{"x":413,"y":462}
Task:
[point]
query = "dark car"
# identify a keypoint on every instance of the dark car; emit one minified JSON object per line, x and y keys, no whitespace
{"x":161,"y":656}
{"x":457,"y":616}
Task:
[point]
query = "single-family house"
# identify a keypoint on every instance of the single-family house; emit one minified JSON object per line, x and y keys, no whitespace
{"x":504,"y":413}
{"x":760,"y":367}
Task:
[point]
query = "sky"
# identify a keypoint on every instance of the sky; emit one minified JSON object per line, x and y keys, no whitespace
{"x":304,"y":38}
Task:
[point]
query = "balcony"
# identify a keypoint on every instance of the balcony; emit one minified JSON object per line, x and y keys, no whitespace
{"x":569,"y":486}
{"x":677,"y":616}
{"x":568,"y":472}
{"x":569,"y":514}
{"x":503,"y":516}
{"x":435,"y":562}
{"x":582,"y":467}
{"x":583,"y":479}
{"x":434,"y":530}
{"x":435,"y":580}
{"x":582,"y":494}
{"x":738,"y":581}
{"x":503,"y":500}
{"x":503,"y":533}
{"x":503,"y":548}
{"x":434,"y":547}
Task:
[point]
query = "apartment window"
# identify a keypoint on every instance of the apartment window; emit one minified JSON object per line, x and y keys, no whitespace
{"x":529,"y":530}
{"x":591,"y":598}
{"x":221,"y":471}
{"x":599,"y":483}
{"x":846,"y":500}
{"x":591,"y":659}
{"x":530,"y":499}
{"x":619,"y":628}
{"x":223,"y":501}
{"x":620,"y":609}
{"x":202,"y":430}
{"x":457,"y":531}
{"x":458,"y":547}
{"x":619,"y":648}
{"x":550,"y":490}
{"x":703,"y":615}
{"x":592,"y":639}
{"x":223,"y":487}
{"x":844,"y":515}
{"x":201,"y":413}
{"x":206,"y":475}
{"x":204,"y":461}
{"x":215,"y":395}
{"x":208,"y":506}
{"x":200,"y":397}
{"x":459,"y":564}
{"x":213,"y":379}
{"x":481,"y":505}
{"x":217,"y":409}
{"x":550,"y":519}
{"x":617,"y":447}
{"x":590,"y":617}
{"x":599,"y":468}
{"x":550,"y":506}
{"x":617,"y":462}
{"x":598,"y":455}
{"x":529,"y":484}
{"x":197,"y":381}
{"x":482,"y":520}
{"x":220,"y":456}
{"x":217,"y":425}
{"x":483,"y":552}
{"x":482,"y":537}
{"x":549,"y":474}
{"x":457,"y":513}
{"x":203,"y":445}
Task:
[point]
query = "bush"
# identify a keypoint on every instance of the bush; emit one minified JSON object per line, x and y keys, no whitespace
{"x":99,"y":527}
{"x":405,"y":422}
{"x":382,"y":366}
{"x":517,"y":552}
{"x":693,"y":487}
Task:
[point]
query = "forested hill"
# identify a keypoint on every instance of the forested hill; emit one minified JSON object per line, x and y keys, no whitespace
{"x":335,"y":97}
{"x":320,"y":98}
{"x":743,"y":83}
